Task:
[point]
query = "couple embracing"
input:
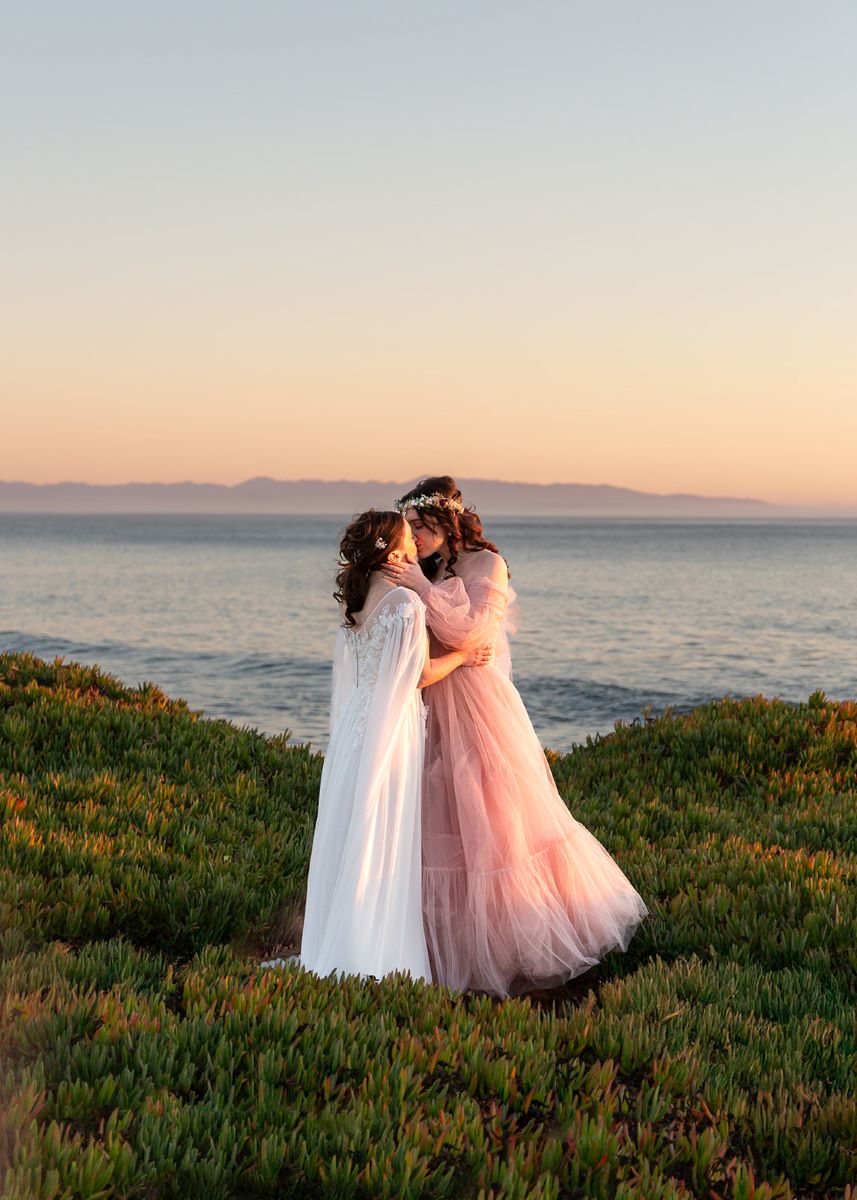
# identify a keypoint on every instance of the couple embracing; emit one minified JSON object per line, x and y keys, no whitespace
{"x":442,"y":847}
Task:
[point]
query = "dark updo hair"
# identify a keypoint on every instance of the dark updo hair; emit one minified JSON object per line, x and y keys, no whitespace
{"x":359,"y":556}
{"x":463,"y":529}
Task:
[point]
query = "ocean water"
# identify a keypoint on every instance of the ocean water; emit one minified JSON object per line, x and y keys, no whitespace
{"x":234,"y":613}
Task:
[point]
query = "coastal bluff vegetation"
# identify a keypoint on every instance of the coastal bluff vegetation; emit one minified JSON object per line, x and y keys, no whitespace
{"x":152,"y":857}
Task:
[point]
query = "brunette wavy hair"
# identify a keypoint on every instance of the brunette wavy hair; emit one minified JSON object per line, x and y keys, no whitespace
{"x":463,"y":529}
{"x":359,"y":556}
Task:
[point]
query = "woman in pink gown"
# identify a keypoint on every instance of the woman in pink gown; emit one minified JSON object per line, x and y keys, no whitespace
{"x":517,"y":894}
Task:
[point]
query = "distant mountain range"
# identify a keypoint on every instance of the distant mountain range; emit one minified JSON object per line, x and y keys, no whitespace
{"x":492,"y":497}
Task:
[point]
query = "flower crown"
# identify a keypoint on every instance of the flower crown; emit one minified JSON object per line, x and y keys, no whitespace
{"x":435,"y":500}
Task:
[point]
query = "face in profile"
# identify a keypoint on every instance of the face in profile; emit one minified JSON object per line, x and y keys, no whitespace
{"x":407,"y":551}
{"x":427,"y":536}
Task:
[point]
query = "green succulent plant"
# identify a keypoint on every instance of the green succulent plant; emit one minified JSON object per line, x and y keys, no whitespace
{"x":149,"y":857}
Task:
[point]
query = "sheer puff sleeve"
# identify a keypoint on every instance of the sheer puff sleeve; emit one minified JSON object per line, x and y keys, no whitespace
{"x":343,"y":677}
{"x":463,"y":616}
{"x":395,"y":698}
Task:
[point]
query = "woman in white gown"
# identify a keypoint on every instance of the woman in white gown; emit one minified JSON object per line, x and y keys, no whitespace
{"x":364,"y":895}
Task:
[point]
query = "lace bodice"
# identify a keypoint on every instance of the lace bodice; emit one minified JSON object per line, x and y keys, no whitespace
{"x":366,"y":644}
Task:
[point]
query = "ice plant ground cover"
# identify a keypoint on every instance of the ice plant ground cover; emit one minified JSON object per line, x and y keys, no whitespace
{"x":147,"y":861}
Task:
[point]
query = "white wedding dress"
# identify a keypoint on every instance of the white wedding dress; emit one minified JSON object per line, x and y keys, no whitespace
{"x":364,"y":891}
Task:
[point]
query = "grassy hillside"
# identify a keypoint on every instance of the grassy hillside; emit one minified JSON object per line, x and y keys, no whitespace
{"x":149,"y":858}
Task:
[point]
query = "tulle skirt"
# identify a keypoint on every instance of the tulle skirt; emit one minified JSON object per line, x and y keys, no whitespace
{"x":517,"y":894}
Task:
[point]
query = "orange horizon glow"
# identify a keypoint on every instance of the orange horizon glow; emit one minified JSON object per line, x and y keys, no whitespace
{"x":784,"y":450}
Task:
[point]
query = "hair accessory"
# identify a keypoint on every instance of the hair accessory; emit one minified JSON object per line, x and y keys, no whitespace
{"x":380,"y":544}
{"x":435,"y":500}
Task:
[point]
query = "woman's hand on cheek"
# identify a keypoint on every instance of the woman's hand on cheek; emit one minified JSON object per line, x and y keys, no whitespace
{"x":405,"y":574}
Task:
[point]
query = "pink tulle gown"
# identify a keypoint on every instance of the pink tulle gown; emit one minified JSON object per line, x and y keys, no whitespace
{"x":517,"y":894}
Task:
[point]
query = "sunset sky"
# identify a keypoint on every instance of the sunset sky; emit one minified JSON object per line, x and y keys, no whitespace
{"x":572,"y":241}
